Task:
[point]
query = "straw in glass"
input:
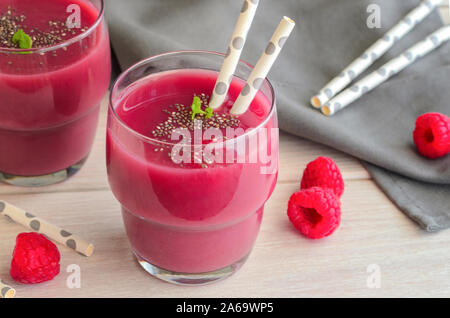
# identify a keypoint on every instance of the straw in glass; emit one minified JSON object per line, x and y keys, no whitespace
{"x":263,"y":66}
{"x":233,"y":54}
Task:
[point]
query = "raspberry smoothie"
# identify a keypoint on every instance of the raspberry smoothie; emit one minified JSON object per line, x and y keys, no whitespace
{"x":195,"y":217}
{"x":50,"y":95}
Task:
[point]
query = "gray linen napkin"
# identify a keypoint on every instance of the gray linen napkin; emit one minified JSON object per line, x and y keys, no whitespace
{"x":330,"y":34}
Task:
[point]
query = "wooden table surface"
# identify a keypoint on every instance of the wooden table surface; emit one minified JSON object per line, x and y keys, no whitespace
{"x":373,"y":232}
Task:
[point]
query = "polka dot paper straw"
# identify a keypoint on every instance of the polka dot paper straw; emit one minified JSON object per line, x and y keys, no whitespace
{"x":263,"y":66}
{"x":51,"y":231}
{"x":6,"y":291}
{"x":233,"y":53}
{"x":388,"y":70}
{"x":374,"y":52}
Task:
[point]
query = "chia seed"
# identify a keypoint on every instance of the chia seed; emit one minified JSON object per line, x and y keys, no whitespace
{"x":11,"y":22}
{"x":180,"y":116}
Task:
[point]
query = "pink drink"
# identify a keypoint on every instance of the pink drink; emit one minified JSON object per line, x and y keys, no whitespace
{"x":50,"y":98}
{"x":188,"y":218}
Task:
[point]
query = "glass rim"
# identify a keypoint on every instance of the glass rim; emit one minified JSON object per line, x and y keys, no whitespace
{"x":171,"y":53}
{"x":62,"y":44}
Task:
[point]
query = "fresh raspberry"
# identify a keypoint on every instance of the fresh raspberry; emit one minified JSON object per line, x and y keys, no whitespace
{"x":432,"y":135}
{"x":323,"y":172}
{"x":315,"y":212}
{"x":35,"y":259}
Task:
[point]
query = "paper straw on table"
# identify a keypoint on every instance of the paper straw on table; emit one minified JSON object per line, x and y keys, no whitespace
{"x":388,"y":70}
{"x":6,"y":291}
{"x":374,"y":52}
{"x":263,"y":66}
{"x":233,"y":53}
{"x":51,"y":231}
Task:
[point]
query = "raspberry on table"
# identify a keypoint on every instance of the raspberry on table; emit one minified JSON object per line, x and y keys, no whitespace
{"x":35,"y":259}
{"x":432,"y":135}
{"x":315,"y":212}
{"x":323,"y":172}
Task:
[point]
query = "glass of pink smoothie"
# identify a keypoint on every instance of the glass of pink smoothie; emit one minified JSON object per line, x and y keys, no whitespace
{"x":190,"y":221}
{"x":50,"y":94}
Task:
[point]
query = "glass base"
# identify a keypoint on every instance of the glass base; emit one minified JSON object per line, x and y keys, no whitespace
{"x":42,"y":180}
{"x":190,"y":279}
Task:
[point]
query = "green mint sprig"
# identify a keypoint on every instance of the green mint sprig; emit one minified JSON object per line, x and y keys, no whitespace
{"x":23,"y":40}
{"x":209,"y":112}
{"x":196,"y":109}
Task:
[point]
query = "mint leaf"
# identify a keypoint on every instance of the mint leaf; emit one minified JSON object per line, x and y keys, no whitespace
{"x":209,"y":112}
{"x":196,"y":107}
{"x":22,"y":39}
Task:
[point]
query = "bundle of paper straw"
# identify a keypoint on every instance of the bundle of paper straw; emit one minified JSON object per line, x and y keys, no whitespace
{"x":262,"y":68}
{"x":51,"y":231}
{"x":374,"y":52}
{"x":388,"y":70}
{"x":6,"y":291}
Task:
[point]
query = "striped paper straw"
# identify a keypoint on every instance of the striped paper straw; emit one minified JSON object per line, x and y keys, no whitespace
{"x":233,"y":53}
{"x":374,"y":52}
{"x":52,"y":231}
{"x":263,"y":66}
{"x":388,"y":70}
{"x":6,"y":291}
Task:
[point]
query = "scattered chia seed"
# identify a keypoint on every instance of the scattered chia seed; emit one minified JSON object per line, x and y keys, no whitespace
{"x":180,"y":116}
{"x":11,"y":22}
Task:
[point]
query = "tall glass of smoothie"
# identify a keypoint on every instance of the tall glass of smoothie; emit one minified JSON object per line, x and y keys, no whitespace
{"x":190,"y":221}
{"x":50,"y":93}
